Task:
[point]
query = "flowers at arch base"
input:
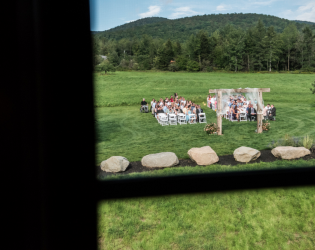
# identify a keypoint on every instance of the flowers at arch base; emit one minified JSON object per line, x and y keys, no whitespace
{"x":266,"y":126}
{"x":211,"y":128}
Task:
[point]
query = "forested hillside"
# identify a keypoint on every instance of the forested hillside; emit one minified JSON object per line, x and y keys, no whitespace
{"x":238,"y":42}
{"x":137,"y":23}
{"x":181,"y":29}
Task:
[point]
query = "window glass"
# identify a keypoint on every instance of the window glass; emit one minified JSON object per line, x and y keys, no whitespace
{"x":176,"y":95}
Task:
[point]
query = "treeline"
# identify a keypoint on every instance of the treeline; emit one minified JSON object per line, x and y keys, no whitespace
{"x":256,"y":49}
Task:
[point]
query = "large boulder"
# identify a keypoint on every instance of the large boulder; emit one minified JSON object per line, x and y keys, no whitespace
{"x":160,"y":160}
{"x":115,"y":164}
{"x":246,"y":154}
{"x":289,"y":152}
{"x":203,"y":156}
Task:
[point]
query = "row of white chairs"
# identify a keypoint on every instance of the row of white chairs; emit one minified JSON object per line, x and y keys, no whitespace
{"x":172,"y":119}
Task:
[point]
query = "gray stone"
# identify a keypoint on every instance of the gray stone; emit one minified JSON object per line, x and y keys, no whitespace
{"x":115,"y":164}
{"x":203,"y":156}
{"x":246,"y":154}
{"x":289,"y":152}
{"x":160,"y":160}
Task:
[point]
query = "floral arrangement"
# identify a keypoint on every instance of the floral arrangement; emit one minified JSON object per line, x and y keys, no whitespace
{"x":211,"y":128}
{"x":266,"y":126}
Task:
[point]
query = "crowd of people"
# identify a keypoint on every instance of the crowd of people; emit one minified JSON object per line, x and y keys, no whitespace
{"x":173,"y":105}
{"x":236,"y":105}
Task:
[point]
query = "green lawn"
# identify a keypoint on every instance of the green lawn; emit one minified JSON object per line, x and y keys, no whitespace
{"x":123,"y":130}
{"x":263,"y":219}
{"x":258,"y":219}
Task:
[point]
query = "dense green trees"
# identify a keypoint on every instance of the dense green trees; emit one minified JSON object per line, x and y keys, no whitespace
{"x":107,"y":67}
{"x":230,"y":48}
{"x":180,"y":29}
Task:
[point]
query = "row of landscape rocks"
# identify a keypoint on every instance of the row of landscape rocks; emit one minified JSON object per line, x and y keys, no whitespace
{"x":202,"y":156}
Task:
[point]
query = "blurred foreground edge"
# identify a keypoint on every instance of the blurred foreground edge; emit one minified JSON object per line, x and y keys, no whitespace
{"x":200,"y":183}
{"x":47,"y":134}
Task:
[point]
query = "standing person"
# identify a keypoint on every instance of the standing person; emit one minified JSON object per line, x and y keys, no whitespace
{"x":143,"y":105}
{"x":153,"y":106}
{"x":208,"y":101}
{"x":248,"y":110}
{"x":272,"y":113}
{"x":235,"y":113}
{"x":265,"y":113}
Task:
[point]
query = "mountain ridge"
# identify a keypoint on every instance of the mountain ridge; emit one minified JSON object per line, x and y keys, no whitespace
{"x":159,"y":27}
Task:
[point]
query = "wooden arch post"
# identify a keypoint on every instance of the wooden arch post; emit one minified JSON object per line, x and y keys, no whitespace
{"x":219,"y":111}
{"x":259,"y":104}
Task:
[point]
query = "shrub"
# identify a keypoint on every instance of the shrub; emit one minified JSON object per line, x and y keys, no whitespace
{"x":307,"y":142}
{"x":173,"y":67}
{"x":211,"y":128}
{"x":192,"y":66}
{"x":293,"y":141}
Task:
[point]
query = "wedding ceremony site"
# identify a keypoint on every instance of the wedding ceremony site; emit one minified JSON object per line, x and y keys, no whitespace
{"x":185,"y":90}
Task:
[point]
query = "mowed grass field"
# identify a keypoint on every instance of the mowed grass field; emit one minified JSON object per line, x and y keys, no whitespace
{"x":257,"y":219}
{"x":261,"y":219}
{"x":123,"y":130}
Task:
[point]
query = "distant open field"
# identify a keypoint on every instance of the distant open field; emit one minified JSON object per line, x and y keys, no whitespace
{"x":123,"y":130}
{"x":256,"y":219}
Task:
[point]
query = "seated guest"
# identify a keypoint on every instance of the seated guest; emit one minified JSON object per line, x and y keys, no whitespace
{"x":192,"y":107}
{"x":198,"y":111}
{"x":156,"y":109}
{"x":272,"y":112}
{"x":143,"y":105}
{"x":235,"y":113}
{"x":164,"y":108}
{"x":167,"y":110}
{"x":253,"y":113}
{"x":173,"y":111}
{"x":161,"y":101}
{"x":182,"y":106}
{"x":229,"y":103}
{"x":177,"y":110}
{"x":185,"y":109}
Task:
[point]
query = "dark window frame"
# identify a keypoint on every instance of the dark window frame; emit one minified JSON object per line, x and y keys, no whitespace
{"x":47,"y":124}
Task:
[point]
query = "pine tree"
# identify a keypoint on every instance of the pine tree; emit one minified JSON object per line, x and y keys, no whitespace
{"x":289,"y":38}
{"x":309,"y":43}
{"x":165,"y":55}
{"x":258,"y":49}
{"x":272,"y":44}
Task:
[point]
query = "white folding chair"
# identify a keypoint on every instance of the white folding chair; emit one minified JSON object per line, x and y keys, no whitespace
{"x":172,"y":119}
{"x":243,"y":117}
{"x":202,"y":118}
{"x":181,"y":118}
{"x":159,"y":117}
{"x":163,"y":120}
{"x":191,"y":118}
